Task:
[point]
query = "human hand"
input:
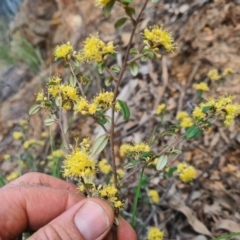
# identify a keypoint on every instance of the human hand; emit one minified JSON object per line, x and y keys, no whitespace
{"x":53,"y":210}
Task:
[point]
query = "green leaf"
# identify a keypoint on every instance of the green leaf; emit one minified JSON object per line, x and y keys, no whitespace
{"x":108,"y":81}
{"x":133,"y":66}
{"x":227,"y":236}
{"x":127,"y":1}
{"x":170,"y":171}
{"x":99,"y":144}
{"x":130,"y":11}
{"x":125,"y":109}
{"x":49,"y":121}
{"x":85,"y":80}
{"x":162,"y":162}
{"x":134,"y":51}
{"x":205,"y":109}
{"x":34,"y":109}
{"x":131,"y":164}
{"x":120,"y":22}
{"x":58,"y":101}
{"x":144,"y":58}
{"x":115,"y":68}
{"x":108,"y":8}
{"x":72,"y":80}
{"x":101,"y":67}
{"x":2,"y":180}
{"x":148,"y":53}
{"x":193,"y":132}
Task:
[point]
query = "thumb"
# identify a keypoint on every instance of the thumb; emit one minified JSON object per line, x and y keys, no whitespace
{"x":90,"y":219}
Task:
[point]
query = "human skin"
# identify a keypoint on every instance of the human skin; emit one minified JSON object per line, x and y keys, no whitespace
{"x":52,"y":209}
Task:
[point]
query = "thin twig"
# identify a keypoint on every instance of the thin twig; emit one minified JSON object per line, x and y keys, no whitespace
{"x":78,"y":83}
{"x":111,"y":74}
{"x":146,"y":163}
{"x":116,"y":91}
{"x":134,"y":59}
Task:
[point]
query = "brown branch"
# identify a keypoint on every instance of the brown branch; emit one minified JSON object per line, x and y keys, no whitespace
{"x":111,"y":74}
{"x":116,"y":91}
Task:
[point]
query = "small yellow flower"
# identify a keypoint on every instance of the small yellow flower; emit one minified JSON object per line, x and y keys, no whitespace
{"x":62,"y":51}
{"x":17,"y":135}
{"x":154,"y":196}
{"x":95,"y":49}
{"x":124,"y":149}
{"x":23,"y":123}
{"x":181,"y":115}
{"x":186,"y":122}
{"x":101,"y":3}
{"x":104,"y":167}
{"x":157,"y":37}
{"x":44,"y":135}
{"x":197,"y":113}
{"x":160,"y":109}
{"x":12,"y":176}
{"x":155,"y":234}
{"x":227,"y":71}
{"x":214,"y":75}
{"x":79,"y":164}
{"x":120,"y":173}
{"x":40,"y":96}
{"x":186,"y":172}
{"x":6,"y":156}
{"x":202,"y":86}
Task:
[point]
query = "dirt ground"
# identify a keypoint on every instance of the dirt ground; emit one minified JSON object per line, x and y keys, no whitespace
{"x":207,"y":34}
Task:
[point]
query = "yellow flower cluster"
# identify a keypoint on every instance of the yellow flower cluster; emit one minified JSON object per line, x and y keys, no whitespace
{"x":40,"y":96}
{"x":186,"y":172}
{"x":197,"y":113}
{"x":104,"y":167}
{"x":214,"y":75}
{"x":184,"y":119}
{"x":63,"y":50}
{"x":227,"y":71}
{"x":101,"y":102}
{"x":153,"y":194}
{"x":78,"y":164}
{"x":56,"y":154}
{"x":101,"y":3}
{"x":6,"y":156}
{"x":109,"y":192}
{"x":44,"y":135}
{"x":95,"y":50}
{"x":155,"y":234}
{"x":136,"y":148}
{"x":224,"y":107}
{"x":17,"y":135}
{"x":160,"y":109}
{"x":202,"y":86}
{"x":23,"y":123}
{"x":27,"y":144}
{"x":12,"y":176}
{"x":155,"y":37}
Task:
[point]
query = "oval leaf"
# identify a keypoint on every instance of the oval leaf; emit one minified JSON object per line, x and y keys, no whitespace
{"x":133,"y":66}
{"x":34,"y":109}
{"x":49,"y":121}
{"x":125,"y":109}
{"x":193,"y":132}
{"x":120,"y":22}
{"x":107,"y":10}
{"x":108,"y":81}
{"x":115,"y":68}
{"x":162,"y":162}
{"x":72,"y":80}
{"x":99,"y":144}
